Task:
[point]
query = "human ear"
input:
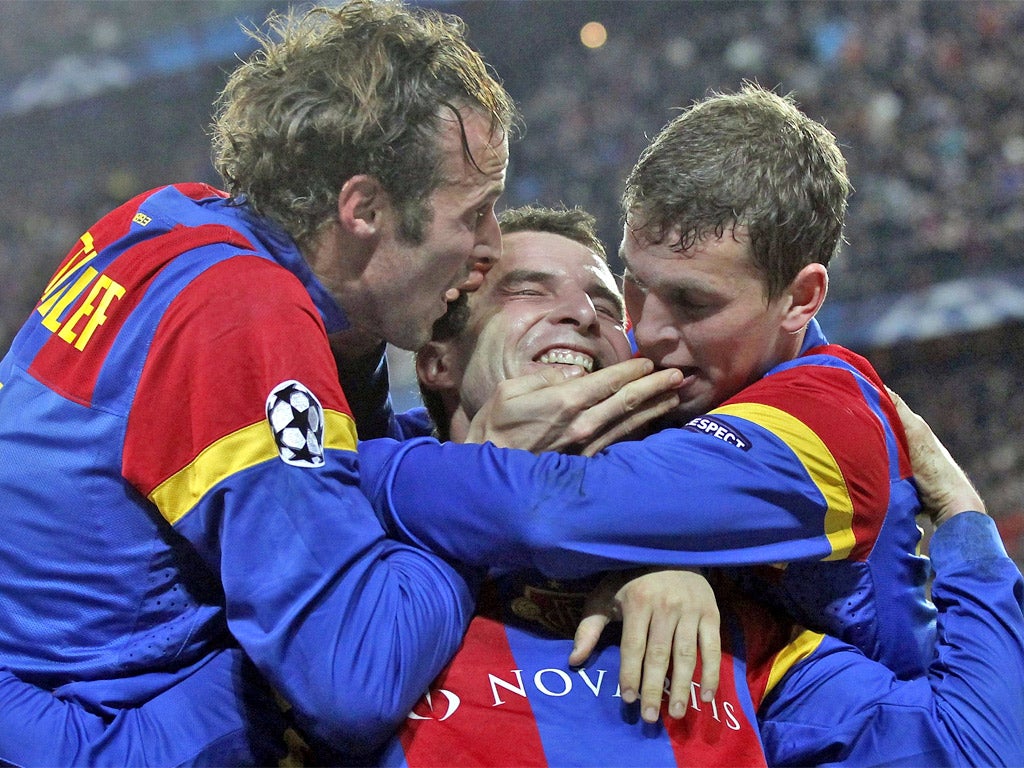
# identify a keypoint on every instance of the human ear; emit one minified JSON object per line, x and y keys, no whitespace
{"x":362,"y":204}
{"x":806,"y":294}
{"x":434,"y":367}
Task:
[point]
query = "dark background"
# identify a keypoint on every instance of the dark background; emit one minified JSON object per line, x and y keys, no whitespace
{"x":100,"y":100}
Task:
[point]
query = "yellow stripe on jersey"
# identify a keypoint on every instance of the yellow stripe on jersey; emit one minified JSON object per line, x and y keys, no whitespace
{"x":802,"y":646}
{"x":820,"y":464}
{"x":245,"y":448}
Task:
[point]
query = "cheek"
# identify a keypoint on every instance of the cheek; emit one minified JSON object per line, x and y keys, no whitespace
{"x":485,"y":363}
{"x":617,"y":342}
{"x":444,"y":254}
{"x":478,"y":379}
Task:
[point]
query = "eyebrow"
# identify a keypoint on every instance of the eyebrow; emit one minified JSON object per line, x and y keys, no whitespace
{"x":600,"y":290}
{"x":489,"y":196}
{"x":523,"y":276}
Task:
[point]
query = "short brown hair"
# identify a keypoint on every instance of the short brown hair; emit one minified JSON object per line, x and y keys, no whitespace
{"x":750,"y":158}
{"x":573,"y":223}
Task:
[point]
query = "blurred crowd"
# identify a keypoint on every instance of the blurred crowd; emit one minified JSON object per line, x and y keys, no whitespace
{"x":925,"y":96}
{"x":968,"y":389}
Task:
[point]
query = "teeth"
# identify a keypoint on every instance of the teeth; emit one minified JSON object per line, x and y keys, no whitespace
{"x":568,"y":357}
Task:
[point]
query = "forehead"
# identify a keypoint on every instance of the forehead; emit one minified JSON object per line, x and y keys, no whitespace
{"x":557,"y":255}
{"x":488,"y":149}
{"x":713,"y":258}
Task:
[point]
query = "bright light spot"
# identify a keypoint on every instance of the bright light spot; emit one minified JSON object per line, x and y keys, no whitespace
{"x":593,"y":34}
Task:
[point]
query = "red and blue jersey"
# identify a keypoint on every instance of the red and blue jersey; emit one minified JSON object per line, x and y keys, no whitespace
{"x":180,"y":478}
{"x":834,"y":707}
{"x":509,"y":698}
{"x":805,"y":472}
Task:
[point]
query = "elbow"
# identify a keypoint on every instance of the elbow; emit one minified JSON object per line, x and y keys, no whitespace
{"x":351,"y":725}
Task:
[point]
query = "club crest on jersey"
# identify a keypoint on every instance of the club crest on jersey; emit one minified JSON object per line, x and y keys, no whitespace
{"x":297,"y":423}
{"x":556,"y":610}
{"x":718,"y":429}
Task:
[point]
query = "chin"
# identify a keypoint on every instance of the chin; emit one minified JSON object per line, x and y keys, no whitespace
{"x":411,"y":339}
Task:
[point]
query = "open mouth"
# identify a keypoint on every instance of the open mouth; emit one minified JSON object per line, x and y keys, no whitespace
{"x":568,"y":357}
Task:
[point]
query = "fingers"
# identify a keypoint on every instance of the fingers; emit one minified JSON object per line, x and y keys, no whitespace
{"x":692,"y":631}
{"x":600,"y":608}
{"x":652,"y":410}
{"x":668,"y":616}
{"x":585,"y":640}
{"x":549,"y":376}
{"x":636,"y":404}
{"x":584,"y":391}
{"x":600,"y":385}
{"x":526,"y":412}
{"x":710,"y":638}
{"x":632,"y":649}
{"x":665,"y":644}
{"x":559,"y":409}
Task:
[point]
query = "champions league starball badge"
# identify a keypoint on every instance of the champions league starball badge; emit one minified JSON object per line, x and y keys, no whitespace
{"x":297,"y":422}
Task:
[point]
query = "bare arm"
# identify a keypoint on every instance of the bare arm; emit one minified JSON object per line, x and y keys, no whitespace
{"x":944,"y":487}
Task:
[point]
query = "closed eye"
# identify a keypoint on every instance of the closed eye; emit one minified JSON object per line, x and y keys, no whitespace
{"x":612,"y":312}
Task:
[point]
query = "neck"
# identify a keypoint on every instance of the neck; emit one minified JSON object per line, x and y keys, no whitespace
{"x":353,"y":345}
{"x":338,"y":261}
{"x":458,"y":426}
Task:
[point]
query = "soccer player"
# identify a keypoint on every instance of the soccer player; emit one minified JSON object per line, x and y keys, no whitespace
{"x":182,"y":516}
{"x":783,"y":449}
{"x":508,"y":698}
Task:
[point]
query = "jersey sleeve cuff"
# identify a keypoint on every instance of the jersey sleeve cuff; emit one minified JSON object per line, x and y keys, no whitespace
{"x":965,"y":537}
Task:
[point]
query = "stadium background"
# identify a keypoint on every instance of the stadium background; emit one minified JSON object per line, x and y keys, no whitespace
{"x":101,"y":99}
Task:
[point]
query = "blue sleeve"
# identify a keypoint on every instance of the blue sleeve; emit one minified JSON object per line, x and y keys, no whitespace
{"x":210,"y":718}
{"x":349,"y":626}
{"x":366,"y":385}
{"x":837,"y":707}
{"x":674,"y":498}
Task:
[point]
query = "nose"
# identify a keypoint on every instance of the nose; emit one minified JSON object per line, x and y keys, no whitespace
{"x":578,"y":309}
{"x":653,"y":325}
{"x":486,"y":252}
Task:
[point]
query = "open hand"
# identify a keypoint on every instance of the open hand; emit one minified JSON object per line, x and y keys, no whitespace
{"x":668,"y":616}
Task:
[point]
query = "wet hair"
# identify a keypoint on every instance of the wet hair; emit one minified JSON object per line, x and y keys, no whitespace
{"x":752,"y":159}
{"x":360,"y":88}
{"x":573,"y":223}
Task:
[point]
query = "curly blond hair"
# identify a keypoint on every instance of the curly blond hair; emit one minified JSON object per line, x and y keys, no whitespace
{"x":336,"y":92}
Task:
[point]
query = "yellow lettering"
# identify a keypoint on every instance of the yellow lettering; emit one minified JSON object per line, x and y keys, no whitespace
{"x":88,"y":253}
{"x":57,"y":298}
{"x":58,"y":302}
{"x":89,"y":308}
{"x":111,"y":291}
